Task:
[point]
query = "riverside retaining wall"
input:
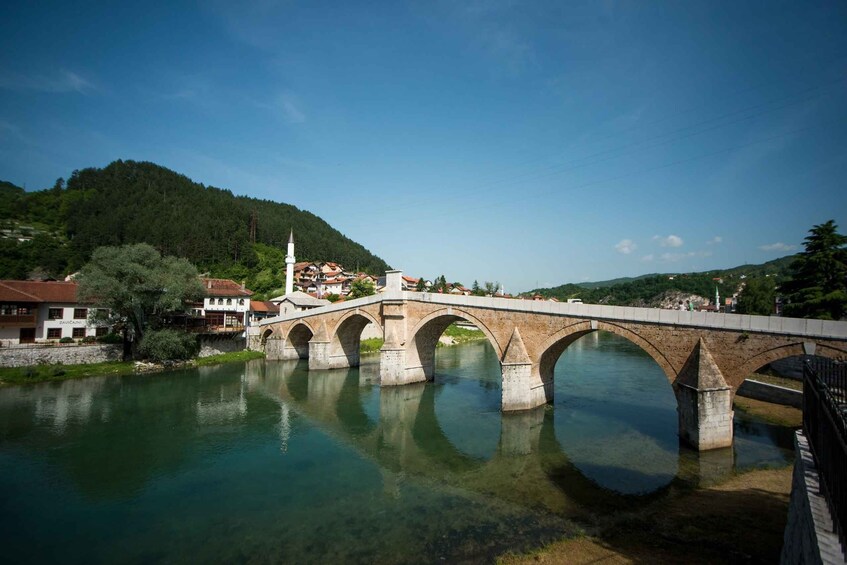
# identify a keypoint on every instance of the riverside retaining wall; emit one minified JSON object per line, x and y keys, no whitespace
{"x":771,"y":393}
{"x":59,"y":354}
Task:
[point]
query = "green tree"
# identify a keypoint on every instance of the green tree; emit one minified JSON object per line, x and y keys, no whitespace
{"x":168,"y":345}
{"x":475,"y":290}
{"x":420,"y":286}
{"x":818,"y":284}
{"x":361,"y":287}
{"x":140,"y":287}
{"x":757,"y":297}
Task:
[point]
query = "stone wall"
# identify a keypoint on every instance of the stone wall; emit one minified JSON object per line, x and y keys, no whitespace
{"x":808,"y":535}
{"x":215,"y":345}
{"x":771,"y":393}
{"x":59,"y":354}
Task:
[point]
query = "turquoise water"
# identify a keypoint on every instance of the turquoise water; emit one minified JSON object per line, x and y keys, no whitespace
{"x":267,"y":462}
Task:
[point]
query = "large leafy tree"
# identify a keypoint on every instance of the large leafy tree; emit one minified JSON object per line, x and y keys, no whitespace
{"x":140,"y":287}
{"x":758,"y":297}
{"x":818,"y":284}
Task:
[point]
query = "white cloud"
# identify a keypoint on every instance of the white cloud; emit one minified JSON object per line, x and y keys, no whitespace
{"x":647,"y":258}
{"x":290,"y":110}
{"x":715,"y":240}
{"x":778,"y":246}
{"x":626,"y":246}
{"x":670,"y":241}
{"x":63,"y":81}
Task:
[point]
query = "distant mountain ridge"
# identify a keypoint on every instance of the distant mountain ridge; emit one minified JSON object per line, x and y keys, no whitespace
{"x":654,"y":289}
{"x":135,"y":202}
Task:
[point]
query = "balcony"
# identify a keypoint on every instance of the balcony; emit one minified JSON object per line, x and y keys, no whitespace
{"x":17,"y":321}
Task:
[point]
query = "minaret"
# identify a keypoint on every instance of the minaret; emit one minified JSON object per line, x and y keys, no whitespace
{"x":717,"y":300}
{"x":289,"y":265}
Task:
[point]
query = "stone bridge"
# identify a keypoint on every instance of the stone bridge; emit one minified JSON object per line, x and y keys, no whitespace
{"x":704,"y":355}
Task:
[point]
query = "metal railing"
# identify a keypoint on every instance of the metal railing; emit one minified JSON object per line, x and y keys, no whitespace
{"x":825,"y":426}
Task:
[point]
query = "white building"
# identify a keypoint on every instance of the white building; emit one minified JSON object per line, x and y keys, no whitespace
{"x":226,"y":306}
{"x":36,"y":311}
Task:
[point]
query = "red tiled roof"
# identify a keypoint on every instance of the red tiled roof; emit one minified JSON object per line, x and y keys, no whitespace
{"x":410,"y":279}
{"x":223,"y":287}
{"x":38,"y":291}
{"x":264,"y":306}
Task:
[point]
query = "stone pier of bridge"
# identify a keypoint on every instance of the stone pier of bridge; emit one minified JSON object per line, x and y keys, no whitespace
{"x":705,"y":356}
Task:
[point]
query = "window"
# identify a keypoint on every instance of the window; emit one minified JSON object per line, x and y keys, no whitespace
{"x":241,"y":302}
{"x":55,"y":313}
{"x":54,"y":333}
{"x":220,"y":300}
{"x":102,"y":331}
{"x":80,"y":313}
{"x":78,"y":333}
{"x":228,"y":301}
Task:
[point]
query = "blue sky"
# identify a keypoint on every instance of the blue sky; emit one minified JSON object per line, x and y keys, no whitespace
{"x":531,"y":143}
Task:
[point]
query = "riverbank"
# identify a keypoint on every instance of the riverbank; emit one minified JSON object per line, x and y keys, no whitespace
{"x":11,"y":376}
{"x":453,"y":335}
{"x":739,"y":520}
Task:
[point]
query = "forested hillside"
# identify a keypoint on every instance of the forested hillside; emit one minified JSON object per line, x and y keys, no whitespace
{"x":651,"y":289}
{"x":134,"y":202}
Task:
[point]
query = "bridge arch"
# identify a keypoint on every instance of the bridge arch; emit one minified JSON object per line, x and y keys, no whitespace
{"x":347,"y":336}
{"x":561,"y":340}
{"x":423,"y":338}
{"x":266,"y":335}
{"x":761,"y":359}
{"x":297,"y":341}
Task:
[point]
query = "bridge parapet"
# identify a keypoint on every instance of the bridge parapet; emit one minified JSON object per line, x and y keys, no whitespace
{"x":708,"y":320}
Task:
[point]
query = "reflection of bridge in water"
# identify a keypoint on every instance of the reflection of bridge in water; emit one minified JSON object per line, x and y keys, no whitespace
{"x":528,"y":467}
{"x":705,"y":356}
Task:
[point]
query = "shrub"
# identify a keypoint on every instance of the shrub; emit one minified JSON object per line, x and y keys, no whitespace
{"x":66,"y":340}
{"x":110,"y":338}
{"x":168,"y":345}
{"x":89,"y":339}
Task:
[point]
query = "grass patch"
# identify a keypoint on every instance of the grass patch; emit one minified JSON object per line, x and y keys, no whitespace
{"x":772,"y":413}
{"x":232,"y":357}
{"x":785,"y":382}
{"x":371,"y":345}
{"x":45,"y":373}
{"x":455,"y":335}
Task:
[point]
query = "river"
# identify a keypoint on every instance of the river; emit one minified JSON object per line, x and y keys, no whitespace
{"x":267,"y":462}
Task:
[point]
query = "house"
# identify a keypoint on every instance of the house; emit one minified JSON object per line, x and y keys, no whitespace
{"x":226,"y":305}
{"x":297,"y":302}
{"x":261,"y":309}
{"x":41,"y":311}
{"x":409,"y":283}
{"x":334,"y":286}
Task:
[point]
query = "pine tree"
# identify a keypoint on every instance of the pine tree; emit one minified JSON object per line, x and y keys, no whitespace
{"x":818,"y":285}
